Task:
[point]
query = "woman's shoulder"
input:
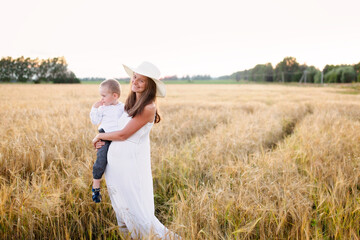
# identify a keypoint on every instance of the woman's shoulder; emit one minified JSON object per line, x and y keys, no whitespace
{"x":150,"y":107}
{"x":149,"y":112}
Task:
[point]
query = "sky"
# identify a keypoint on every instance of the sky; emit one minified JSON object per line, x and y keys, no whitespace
{"x":186,"y":37}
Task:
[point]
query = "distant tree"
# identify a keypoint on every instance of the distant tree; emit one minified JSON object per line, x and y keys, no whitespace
{"x":311,"y":72}
{"x":317,"y":77}
{"x":187,"y":77}
{"x":269,"y":72}
{"x":328,"y":68}
{"x":341,"y":74}
{"x":57,"y":69}
{"x":357,"y":71}
{"x":23,"y":69}
{"x":257,"y":73}
{"x":66,"y":77}
{"x":167,"y":78}
{"x":332,"y":76}
{"x":241,"y":75}
{"x":348,"y":75}
{"x":235,"y":76}
{"x":262,"y":72}
{"x":124,"y":79}
{"x":42,"y":70}
{"x":99,"y":79}
{"x":6,"y":69}
{"x":289,"y":69}
{"x":246,"y":75}
{"x":224,"y":77}
{"x":200,"y":77}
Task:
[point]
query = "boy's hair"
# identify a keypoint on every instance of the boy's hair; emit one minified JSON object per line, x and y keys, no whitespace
{"x":112,"y":85}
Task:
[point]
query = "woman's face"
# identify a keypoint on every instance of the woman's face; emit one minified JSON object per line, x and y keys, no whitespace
{"x":139,"y":83}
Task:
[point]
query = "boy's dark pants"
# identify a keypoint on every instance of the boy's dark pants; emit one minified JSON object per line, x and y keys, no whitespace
{"x":101,"y":159}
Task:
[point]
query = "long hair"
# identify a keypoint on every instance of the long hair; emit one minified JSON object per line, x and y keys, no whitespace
{"x":134,"y":108}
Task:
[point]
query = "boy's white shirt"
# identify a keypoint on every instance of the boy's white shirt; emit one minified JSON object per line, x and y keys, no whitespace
{"x":107,"y":116}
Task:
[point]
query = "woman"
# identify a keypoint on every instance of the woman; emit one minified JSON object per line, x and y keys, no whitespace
{"x":128,"y":173}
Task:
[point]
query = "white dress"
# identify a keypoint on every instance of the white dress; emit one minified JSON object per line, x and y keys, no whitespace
{"x":130,"y":185}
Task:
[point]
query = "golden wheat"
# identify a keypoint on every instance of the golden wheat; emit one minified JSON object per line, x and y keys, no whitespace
{"x":229,"y":162}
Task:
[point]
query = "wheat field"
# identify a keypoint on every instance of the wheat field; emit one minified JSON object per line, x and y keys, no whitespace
{"x":229,"y":162}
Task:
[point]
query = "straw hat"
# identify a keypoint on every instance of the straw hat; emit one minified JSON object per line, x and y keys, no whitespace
{"x":151,"y":71}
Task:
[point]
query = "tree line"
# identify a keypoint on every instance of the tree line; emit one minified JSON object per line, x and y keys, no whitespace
{"x":36,"y":70}
{"x":100,"y":79}
{"x":187,"y":77}
{"x":289,"y":70}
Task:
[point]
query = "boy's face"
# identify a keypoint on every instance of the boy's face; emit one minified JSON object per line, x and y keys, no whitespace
{"x":108,"y":98}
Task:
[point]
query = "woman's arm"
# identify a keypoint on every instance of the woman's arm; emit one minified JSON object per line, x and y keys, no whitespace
{"x":133,"y":126}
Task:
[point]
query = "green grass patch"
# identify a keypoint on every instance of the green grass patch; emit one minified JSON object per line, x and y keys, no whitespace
{"x":352,"y":89}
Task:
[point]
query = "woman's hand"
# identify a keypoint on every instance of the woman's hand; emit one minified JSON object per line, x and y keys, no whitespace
{"x":97,"y":142}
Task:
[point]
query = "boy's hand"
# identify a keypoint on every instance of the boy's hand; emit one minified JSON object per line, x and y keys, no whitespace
{"x":98,"y":104}
{"x":97,"y":142}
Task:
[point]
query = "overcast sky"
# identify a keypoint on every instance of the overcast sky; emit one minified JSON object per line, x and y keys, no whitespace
{"x":180,"y":37}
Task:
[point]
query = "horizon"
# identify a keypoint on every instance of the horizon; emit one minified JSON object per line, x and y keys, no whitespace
{"x":273,"y":65}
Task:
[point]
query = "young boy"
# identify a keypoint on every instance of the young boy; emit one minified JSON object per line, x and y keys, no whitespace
{"x":105,"y":112}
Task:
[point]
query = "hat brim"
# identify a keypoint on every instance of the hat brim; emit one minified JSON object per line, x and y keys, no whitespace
{"x":160,"y":86}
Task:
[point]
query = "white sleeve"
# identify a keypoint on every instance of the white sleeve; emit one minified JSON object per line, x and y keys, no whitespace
{"x":96,"y":115}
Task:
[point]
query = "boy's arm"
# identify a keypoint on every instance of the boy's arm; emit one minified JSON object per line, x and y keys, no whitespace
{"x":132,"y":126}
{"x":97,"y":104}
{"x":96,"y":114}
